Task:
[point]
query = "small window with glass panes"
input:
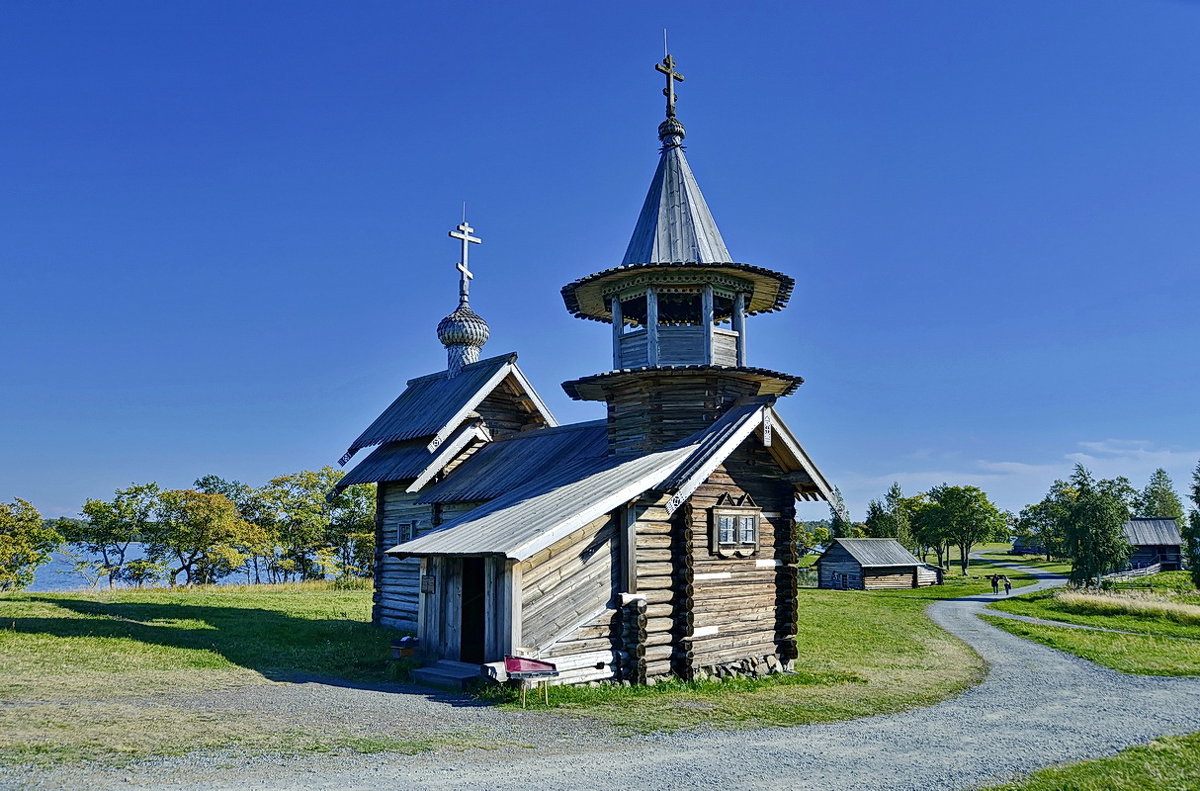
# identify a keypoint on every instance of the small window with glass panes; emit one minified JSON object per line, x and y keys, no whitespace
{"x":734,"y":528}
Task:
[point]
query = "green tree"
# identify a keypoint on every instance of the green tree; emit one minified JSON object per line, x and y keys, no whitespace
{"x":252,"y":507}
{"x":203,"y":534}
{"x":1043,"y":521}
{"x":110,"y":527}
{"x":1191,"y":530}
{"x":1159,"y":499}
{"x":320,"y":530}
{"x":894,"y":503}
{"x":839,"y":516}
{"x":963,"y":516}
{"x":1094,"y":526}
{"x":928,"y":531}
{"x":26,"y":542}
{"x":878,"y":521}
{"x":351,"y":533}
{"x":810,"y":535}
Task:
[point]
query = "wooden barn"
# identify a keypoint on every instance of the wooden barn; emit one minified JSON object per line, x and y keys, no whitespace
{"x":1154,"y":541}
{"x":657,"y":541}
{"x":872,"y":564}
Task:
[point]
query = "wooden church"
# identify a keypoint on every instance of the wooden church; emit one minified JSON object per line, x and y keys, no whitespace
{"x":655,"y":542}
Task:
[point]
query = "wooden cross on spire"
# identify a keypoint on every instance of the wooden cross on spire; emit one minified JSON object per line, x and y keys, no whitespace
{"x":667,"y":67}
{"x":465,"y":277}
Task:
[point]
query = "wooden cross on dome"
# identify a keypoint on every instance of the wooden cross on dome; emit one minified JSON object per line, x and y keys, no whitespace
{"x":466,"y":275}
{"x":667,"y":67}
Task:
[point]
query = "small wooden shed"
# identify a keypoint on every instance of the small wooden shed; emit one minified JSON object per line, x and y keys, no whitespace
{"x":1154,"y":541}
{"x":872,"y":564}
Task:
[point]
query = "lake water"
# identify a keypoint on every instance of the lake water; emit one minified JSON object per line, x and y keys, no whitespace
{"x":60,"y":575}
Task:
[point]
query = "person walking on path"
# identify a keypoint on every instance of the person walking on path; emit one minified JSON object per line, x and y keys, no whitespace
{"x":995,"y":578}
{"x":1007,"y":585}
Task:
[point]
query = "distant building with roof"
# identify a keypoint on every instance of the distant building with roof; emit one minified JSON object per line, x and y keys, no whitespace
{"x":872,"y":564}
{"x":658,"y":541}
{"x":1154,"y":540}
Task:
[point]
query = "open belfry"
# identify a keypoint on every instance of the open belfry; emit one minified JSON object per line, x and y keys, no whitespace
{"x":656,"y":542}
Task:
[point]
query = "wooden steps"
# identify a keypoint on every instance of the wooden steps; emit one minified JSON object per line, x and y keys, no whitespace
{"x":446,"y":674}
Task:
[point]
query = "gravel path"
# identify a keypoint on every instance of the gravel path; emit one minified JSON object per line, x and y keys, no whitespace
{"x":1037,"y":707}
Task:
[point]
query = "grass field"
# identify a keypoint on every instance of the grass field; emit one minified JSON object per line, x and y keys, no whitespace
{"x":1163,"y":612}
{"x":1038,"y":562}
{"x":105,"y":675}
{"x":96,"y":675}
{"x":884,"y":655}
{"x":1168,"y":764}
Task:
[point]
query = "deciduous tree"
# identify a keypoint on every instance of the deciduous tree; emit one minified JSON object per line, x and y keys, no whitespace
{"x":203,"y":534}
{"x":110,"y":527}
{"x":26,"y":542}
{"x":963,"y":516}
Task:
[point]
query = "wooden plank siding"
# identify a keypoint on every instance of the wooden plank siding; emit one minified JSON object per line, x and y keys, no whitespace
{"x":568,"y":608}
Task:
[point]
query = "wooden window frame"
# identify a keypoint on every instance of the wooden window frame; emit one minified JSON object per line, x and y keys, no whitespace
{"x":738,"y":547}
{"x":403,"y":529}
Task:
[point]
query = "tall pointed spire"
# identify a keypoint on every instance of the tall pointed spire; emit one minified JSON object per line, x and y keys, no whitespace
{"x":463,"y":332}
{"x":675,"y":224}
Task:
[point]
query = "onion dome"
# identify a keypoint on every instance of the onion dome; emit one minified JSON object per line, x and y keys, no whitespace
{"x":463,"y":327}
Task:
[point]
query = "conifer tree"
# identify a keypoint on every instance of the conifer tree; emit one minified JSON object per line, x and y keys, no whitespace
{"x":839,"y":516}
{"x":1094,"y":527}
{"x":1159,"y":499}
{"x":1191,"y":530}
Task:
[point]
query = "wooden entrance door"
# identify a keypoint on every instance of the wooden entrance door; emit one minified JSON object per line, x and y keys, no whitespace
{"x":473,"y":612}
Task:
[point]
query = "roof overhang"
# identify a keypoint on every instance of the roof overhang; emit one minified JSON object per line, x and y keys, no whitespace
{"x":594,"y":388}
{"x":586,"y":298}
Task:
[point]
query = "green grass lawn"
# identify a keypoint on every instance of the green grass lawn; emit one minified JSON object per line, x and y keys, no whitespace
{"x":1038,"y":562}
{"x":107,"y":675}
{"x":861,"y":653}
{"x":1168,"y":764}
{"x":1164,"y":644}
{"x":96,"y":675}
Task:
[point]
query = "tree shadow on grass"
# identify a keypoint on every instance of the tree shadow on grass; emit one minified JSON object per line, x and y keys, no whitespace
{"x":330,"y":651}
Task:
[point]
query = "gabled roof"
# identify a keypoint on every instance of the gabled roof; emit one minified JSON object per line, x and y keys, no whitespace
{"x":555,"y":499}
{"x":675,"y":223}
{"x":433,"y":406}
{"x":876,"y":552}
{"x":411,"y":459}
{"x":512,"y":461}
{"x":1153,"y":532}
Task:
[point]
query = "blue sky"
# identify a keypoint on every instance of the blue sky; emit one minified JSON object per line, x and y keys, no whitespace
{"x":224,"y":244}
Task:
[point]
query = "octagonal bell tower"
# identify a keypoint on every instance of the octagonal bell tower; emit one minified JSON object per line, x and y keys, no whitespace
{"x":678,"y":305}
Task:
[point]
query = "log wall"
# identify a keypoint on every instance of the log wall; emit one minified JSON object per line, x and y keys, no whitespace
{"x":743,"y":607}
{"x":397,"y":581}
{"x":876,"y":579}
{"x":652,"y":411}
{"x":507,"y":410}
